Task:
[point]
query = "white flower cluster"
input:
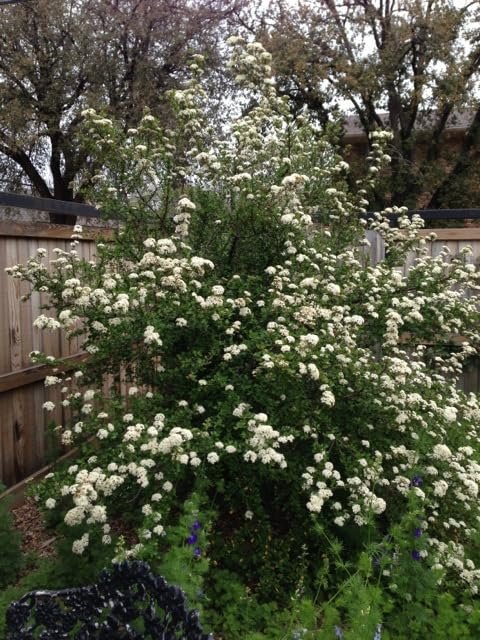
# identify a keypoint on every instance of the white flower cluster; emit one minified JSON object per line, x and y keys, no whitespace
{"x":182,"y":218}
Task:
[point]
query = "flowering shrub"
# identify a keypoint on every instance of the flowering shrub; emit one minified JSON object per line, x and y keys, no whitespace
{"x":304,"y":393}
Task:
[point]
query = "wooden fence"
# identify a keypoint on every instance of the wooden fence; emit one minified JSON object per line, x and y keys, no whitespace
{"x":455,"y":239}
{"x":25,"y":445}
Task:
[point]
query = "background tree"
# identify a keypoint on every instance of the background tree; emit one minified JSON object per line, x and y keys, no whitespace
{"x":410,"y":65}
{"x":58,"y":56}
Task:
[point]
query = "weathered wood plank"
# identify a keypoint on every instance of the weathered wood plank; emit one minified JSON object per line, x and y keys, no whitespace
{"x":7,"y":449}
{"x":37,"y":397}
{"x":16,"y":493}
{"x":11,"y":229}
{"x":25,"y":309}
{"x":20,"y":437}
{"x":22,"y":377}
{"x":13,"y":301}
{"x":469,"y":233}
{"x":5,"y":285}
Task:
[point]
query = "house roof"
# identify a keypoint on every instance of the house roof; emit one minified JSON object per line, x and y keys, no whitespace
{"x":458,"y":122}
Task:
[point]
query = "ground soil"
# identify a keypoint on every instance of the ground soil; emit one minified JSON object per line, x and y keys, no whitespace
{"x":35,"y":538}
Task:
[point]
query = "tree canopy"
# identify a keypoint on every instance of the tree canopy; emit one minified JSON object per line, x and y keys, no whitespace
{"x":411,"y":66}
{"x":59,"y":56}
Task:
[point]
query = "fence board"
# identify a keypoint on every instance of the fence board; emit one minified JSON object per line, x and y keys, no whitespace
{"x":468,"y":233}
{"x":34,"y":373}
{"x":19,"y":430}
{"x":25,"y":444}
{"x":11,"y":229}
{"x":7,"y":453}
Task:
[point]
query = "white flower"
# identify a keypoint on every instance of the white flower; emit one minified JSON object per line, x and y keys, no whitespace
{"x":80,"y":545}
{"x":74,"y":516}
{"x":240,"y":409}
{"x":98,"y":514}
{"x":213,"y":457}
{"x":185,"y":203}
{"x":50,"y":503}
{"x":378,"y":505}
{"x":151,"y":336}
{"x":49,"y":406}
{"x":218,"y":290}
{"x":440,"y":488}
{"x":248,"y":515}
{"x":450,"y":414}
{"x":313,"y":371}
{"x":43,"y":322}
{"x":441,"y":452}
{"x":332,"y":288}
{"x":328,"y":398}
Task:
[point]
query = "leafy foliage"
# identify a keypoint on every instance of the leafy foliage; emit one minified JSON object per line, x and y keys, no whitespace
{"x":11,"y":559}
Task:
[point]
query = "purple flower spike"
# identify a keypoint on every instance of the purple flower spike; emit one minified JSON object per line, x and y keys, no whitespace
{"x":197,"y":552}
{"x":338,"y":632}
{"x":417,"y":533}
{"x":416,"y":481}
{"x":192,"y":539}
{"x":196,"y":526}
{"x":416,"y":555}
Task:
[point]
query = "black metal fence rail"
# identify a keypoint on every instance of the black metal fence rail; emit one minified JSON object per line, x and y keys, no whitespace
{"x":77,"y":209}
{"x":49,"y":205}
{"x":444,"y":214}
